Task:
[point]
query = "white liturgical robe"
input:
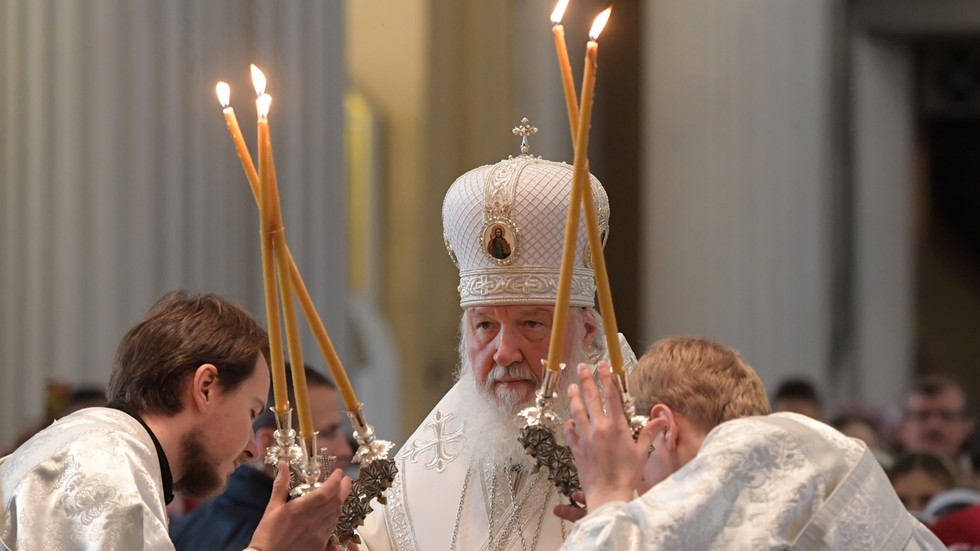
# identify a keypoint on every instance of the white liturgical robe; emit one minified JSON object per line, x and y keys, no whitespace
{"x":427,"y":509}
{"x":91,"y":480}
{"x":776,"y":482}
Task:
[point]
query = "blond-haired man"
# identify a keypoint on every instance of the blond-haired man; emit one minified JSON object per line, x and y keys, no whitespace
{"x":716,"y":471}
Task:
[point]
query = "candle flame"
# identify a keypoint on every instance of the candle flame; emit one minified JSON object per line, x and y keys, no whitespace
{"x":599,"y":23}
{"x":224,"y":93}
{"x":258,"y":80}
{"x":262,"y":105}
{"x":559,"y":11}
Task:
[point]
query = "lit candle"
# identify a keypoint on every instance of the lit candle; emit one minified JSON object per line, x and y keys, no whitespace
{"x":272,"y":213}
{"x":568,"y":84}
{"x":278,"y":367}
{"x":581,"y":187}
{"x":296,"y":363}
{"x":603,"y":288}
{"x":298,"y":285}
{"x":323,"y":340}
{"x":224,"y":98}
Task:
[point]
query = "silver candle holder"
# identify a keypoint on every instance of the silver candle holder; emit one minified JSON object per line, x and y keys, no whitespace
{"x":541,"y":424}
{"x":306,"y":470}
{"x":305,"y":467}
{"x":377,"y":473}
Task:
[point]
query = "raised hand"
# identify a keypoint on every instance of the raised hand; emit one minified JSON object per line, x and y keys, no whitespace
{"x":610,"y":464}
{"x":303,"y":523}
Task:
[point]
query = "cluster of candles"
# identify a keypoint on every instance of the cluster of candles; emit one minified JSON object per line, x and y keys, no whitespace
{"x":278,"y":264}
{"x":277,"y":260}
{"x":579,"y":118}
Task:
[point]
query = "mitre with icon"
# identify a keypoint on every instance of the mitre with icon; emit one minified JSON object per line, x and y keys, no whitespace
{"x":504,"y":228}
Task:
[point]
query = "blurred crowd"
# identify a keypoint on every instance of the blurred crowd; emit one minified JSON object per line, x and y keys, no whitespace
{"x":931,"y":452}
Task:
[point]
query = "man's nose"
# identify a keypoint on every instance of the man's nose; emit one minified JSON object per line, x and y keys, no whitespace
{"x":508,"y":347}
{"x":251,"y":450}
{"x":343,"y":448}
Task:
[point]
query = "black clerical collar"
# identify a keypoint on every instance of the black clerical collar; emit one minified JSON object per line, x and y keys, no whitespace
{"x":168,"y":477}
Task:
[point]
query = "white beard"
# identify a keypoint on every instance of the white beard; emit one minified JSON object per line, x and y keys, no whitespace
{"x":493,"y":425}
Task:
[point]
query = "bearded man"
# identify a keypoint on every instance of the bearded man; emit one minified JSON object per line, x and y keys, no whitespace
{"x":187,"y":382}
{"x":464,"y":481}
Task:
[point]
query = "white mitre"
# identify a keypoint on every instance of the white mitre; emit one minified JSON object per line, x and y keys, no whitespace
{"x":504,"y":228}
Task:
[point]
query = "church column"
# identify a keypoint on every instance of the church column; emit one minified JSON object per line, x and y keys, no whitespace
{"x":739,"y":178}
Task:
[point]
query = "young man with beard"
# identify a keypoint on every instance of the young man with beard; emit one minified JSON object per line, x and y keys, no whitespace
{"x":227,"y":522}
{"x":715,"y":470}
{"x":185,"y":385}
{"x":464,"y":481}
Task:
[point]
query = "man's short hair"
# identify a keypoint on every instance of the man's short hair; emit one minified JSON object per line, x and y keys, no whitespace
{"x":706,"y":381}
{"x":939,"y":467}
{"x":313,"y":378}
{"x":934,"y":384}
{"x":800,"y":389}
{"x":180,"y":333}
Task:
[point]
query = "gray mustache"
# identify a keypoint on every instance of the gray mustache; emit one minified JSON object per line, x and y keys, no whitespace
{"x":509,"y":372}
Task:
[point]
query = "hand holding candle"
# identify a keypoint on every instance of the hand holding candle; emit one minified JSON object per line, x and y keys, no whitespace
{"x":306,"y":462}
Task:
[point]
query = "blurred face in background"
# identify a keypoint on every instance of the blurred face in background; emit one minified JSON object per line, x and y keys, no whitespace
{"x":916,"y":487}
{"x":936,"y":422}
{"x":328,"y":421}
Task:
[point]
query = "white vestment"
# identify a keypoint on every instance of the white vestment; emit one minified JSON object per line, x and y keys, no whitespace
{"x":775,"y":482}
{"x":91,"y":480}
{"x":426,"y":506}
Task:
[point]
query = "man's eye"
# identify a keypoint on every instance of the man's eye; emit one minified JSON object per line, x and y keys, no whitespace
{"x":533,"y":324}
{"x":484,"y":325}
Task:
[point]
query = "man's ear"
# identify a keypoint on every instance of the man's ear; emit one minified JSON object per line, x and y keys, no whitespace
{"x":204,"y":384}
{"x":591,"y":327}
{"x":666,"y":423}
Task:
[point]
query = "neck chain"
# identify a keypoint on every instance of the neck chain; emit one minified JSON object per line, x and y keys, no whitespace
{"x":513,"y":521}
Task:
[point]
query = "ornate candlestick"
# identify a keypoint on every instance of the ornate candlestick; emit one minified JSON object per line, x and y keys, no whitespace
{"x":538,"y":435}
{"x":305,"y":468}
{"x":376,"y":475}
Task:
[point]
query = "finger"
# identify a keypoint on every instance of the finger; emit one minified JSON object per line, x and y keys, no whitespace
{"x":579,"y":496}
{"x":569,"y":512}
{"x":577,"y":409}
{"x":280,"y":486}
{"x":346,"y":485}
{"x":571,"y":437}
{"x":331,"y":486}
{"x":611,"y":392}
{"x":589,"y":392}
{"x":644,"y":441}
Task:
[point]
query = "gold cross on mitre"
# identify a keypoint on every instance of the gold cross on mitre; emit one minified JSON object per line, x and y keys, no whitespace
{"x":524,"y":130}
